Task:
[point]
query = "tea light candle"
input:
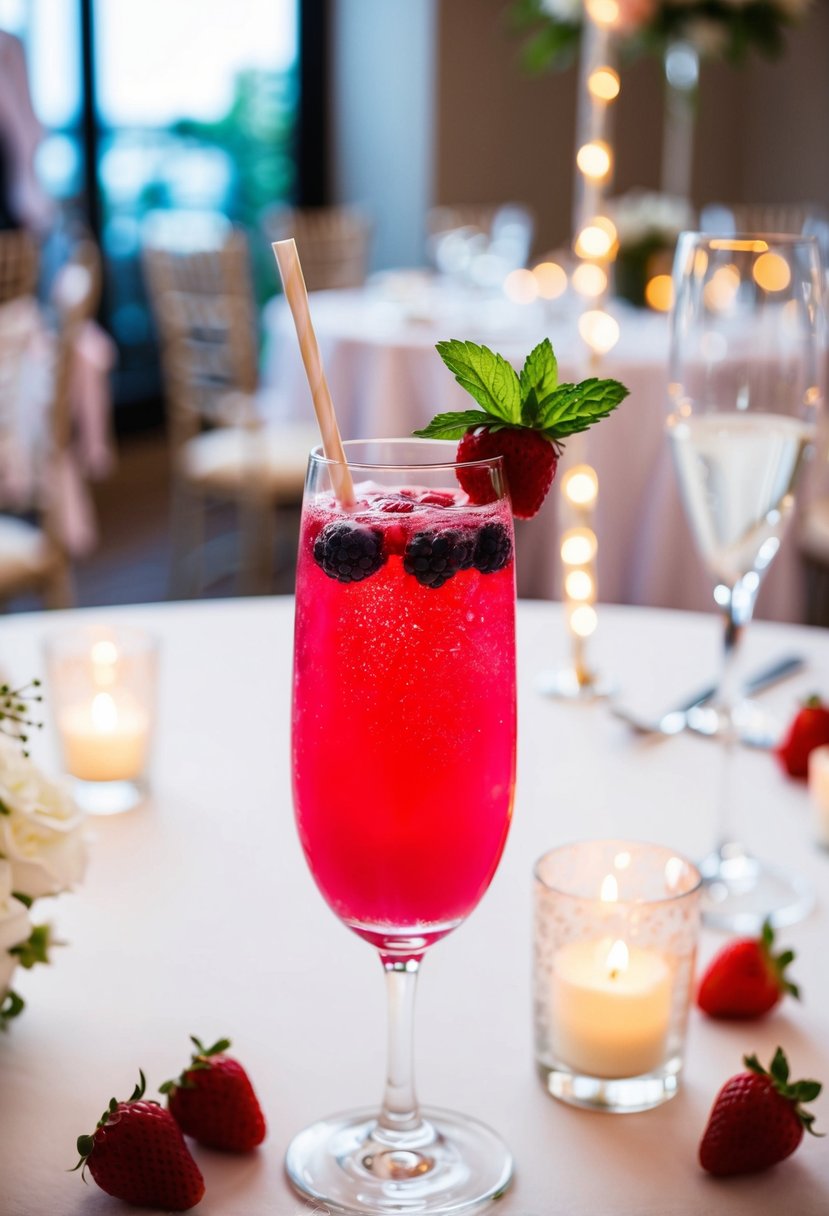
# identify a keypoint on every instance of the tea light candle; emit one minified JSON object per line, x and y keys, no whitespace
{"x":105,"y":739}
{"x":819,"y":792}
{"x":611,"y":1007}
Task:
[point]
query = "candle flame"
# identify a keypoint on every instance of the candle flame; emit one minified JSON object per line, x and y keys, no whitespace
{"x":610,"y":889}
{"x":618,"y":958}
{"x":103,"y":713}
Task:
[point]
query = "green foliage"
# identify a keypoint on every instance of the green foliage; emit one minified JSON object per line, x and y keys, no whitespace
{"x":550,"y":43}
{"x":534,"y":399}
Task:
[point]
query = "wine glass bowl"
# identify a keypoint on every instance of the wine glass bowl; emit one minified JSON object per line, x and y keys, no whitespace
{"x":403,"y":743}
{"x":746,"y":370}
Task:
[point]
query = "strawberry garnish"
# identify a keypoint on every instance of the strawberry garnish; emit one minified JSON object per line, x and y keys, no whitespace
{"x":137,"y":1153}
{"x":809,"y":729}
{"x":522,"y":418}
{"x":757,"y":1119}
{"x":214,"y":1102}
{"x":746,"y":979}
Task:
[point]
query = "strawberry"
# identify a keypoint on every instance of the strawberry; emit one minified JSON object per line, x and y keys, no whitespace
{"x":137,"y":1153}
{"x":808,"y":730}
{"x":214,"y":1102}
{"x":757,"y":1119}
{"x":524,"y":419}
{"x":745,"y":979}
{"x":530,"y":463}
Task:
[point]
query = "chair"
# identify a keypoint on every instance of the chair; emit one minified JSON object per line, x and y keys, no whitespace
{"x":222,"y":452}
{"x":19,"y":258}
{"x":333,"y":243}
{"x":33,"y":556}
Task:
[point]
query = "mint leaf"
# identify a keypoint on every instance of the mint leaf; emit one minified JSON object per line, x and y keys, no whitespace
{"x":488,"y":377}
{"x":454,"y":425}
{"x":575,"y":407}
{"x":538,"y":381}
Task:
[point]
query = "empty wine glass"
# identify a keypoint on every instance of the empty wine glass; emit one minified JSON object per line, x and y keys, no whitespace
{"x":747,"y":343}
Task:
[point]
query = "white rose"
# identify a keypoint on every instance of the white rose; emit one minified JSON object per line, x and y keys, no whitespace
{"x":41,"y":829}
{"x":709,"y":37}
{"x":15,"y":926}
{"x":563,"y":10}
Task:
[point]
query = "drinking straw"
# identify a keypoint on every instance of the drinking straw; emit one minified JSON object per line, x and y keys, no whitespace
{"x":296,"y":293}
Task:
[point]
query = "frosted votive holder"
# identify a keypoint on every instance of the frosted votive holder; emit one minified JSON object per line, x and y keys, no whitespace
{"x":101,"y":689}
{"x":616,"y":927}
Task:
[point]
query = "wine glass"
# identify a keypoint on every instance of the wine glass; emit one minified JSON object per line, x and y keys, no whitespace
{"x":747,"y":341}
{"x":404,"y":768}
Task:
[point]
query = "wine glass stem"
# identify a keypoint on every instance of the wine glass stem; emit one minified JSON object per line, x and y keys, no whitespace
{"x":737,"y":607}
{"x":400,"y":1115}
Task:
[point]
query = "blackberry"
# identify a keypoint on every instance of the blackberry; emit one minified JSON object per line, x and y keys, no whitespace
{"x":493,"y":549}
{"x":435,"y":557}
{"x":349,"y":552}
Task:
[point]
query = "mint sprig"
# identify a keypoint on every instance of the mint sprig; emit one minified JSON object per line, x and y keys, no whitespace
{"x":534,"y":399}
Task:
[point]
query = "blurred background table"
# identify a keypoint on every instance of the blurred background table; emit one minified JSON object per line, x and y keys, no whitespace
{"x":377,"y":344}
{"x":198,"y":915}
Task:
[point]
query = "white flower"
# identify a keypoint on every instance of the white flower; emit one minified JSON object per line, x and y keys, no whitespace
{"x":709,"y":37}
{"x":641,"y":213}
{"x":569,"y":11}
{"x":15,"y":926}
{"x":41,"y":829}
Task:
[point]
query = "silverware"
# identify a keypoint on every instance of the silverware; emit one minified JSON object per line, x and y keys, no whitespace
{"x":676,"y":719}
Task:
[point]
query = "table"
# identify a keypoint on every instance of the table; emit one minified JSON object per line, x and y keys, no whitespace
{"x":377,"y":346}
{"x":198,"y":916}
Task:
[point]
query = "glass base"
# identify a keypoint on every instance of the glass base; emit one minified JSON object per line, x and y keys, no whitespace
{"x":617,"y":1095}
{"x":108,"y":797}
{"x":566,"y":684}
{"x":454,"y":1165}
{"x":739,"y":893}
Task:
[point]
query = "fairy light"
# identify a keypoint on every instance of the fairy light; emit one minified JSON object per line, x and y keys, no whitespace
{"x":595,"y":242}
{"x":594,"y":159}
{"x":589,"y":280}
{"x":659,"y":293}
{"x":603,"y":84}
{"x":550,"y":280}
{"x":521,"y":287}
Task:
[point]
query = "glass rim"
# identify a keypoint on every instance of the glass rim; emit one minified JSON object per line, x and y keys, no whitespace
{"x":742,"y":239}
{"x":623,"y":845}
{"x":318,"y":456}
{"x":75,"y":638}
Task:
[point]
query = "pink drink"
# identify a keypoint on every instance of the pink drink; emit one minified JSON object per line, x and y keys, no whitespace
{"x":404,"y":712}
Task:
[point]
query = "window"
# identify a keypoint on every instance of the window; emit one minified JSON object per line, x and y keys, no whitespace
{"x":161,"y":104}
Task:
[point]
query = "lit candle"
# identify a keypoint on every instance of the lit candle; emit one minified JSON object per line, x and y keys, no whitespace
{"x":819,"y":792}
{"x":611,"y":1008}
{"x":105,"y":739}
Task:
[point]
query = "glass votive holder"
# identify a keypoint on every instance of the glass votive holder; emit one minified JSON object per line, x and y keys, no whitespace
{"x":101,"y":689}
{"x":818,"y":767}
{"x":616,"y":927}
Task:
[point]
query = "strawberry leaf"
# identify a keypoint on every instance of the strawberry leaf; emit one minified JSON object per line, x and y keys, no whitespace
{"x":575,"y":407}
{"x":488,"y":377}
{"x":454,"y":425}
{"x":538,"y":381}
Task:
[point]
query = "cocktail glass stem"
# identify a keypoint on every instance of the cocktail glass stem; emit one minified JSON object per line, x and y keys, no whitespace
{"x":400,"y":1115}
{"x":737,"y":606}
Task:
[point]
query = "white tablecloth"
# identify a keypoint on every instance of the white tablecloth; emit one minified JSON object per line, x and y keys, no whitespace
{"x":386,"y":379}
{"x":198,"y":916}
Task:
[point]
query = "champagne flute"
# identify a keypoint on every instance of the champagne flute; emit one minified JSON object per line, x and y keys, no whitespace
{"x":404,"y":766}
{"x":747,"y":342}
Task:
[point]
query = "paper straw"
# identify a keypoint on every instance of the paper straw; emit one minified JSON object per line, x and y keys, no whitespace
{"x":296,"y":293}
